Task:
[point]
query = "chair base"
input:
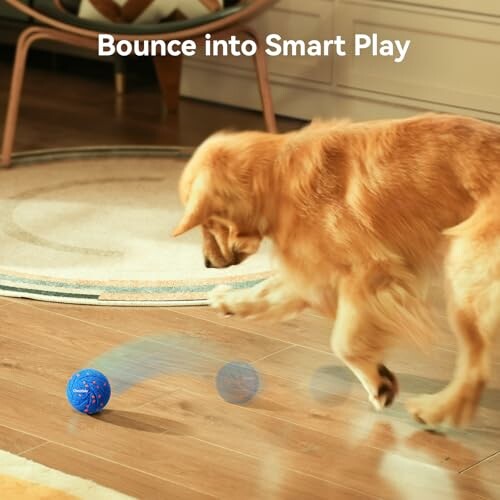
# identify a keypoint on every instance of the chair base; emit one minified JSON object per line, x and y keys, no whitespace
{"x":26,"y":39}
{"x":169,"y":80}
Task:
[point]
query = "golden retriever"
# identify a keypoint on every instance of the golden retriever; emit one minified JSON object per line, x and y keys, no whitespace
{"x":361,"y":215}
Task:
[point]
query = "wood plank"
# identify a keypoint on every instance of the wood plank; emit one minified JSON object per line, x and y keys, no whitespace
{"x":487,"y":470}
{"x":35,"y":367}
{"x":141,"y":362}
{"x":217,"y":341}
{"x":313,"y":452}
{"x":351,"y":421}
{"x":322,"y":373}
{"x":17,"y":442}
{"x":111,"y":474}
{"x":44,"y":349}
{"x":306,"y":329}
{"x":171,"y":453}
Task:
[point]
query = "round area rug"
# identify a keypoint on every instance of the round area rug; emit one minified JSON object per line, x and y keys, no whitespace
{"x":92,"y":226}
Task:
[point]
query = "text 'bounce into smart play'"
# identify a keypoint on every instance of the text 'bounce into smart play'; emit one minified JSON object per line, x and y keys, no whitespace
{"x":360,"y":44}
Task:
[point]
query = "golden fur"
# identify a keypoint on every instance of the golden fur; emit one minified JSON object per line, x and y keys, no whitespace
{"x":360,"y":215}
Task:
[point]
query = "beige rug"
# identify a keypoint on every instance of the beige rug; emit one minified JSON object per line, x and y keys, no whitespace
{"x":93,"y":226}
{"x":22,"y":479}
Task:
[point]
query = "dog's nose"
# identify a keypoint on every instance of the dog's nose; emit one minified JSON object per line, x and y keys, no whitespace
{"x":207,"y":262}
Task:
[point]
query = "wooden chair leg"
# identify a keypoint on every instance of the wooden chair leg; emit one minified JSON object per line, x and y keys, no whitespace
{"x":168,"y":72}
{"x":26,"y":39}
{"x":120,"y":76}
{"x":260,"y":61}
{"x":9,"y":132}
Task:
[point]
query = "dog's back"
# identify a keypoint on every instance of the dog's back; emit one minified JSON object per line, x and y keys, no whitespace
{"x":404,"y":181}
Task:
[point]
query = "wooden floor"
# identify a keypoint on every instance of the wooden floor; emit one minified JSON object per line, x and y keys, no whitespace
{"x":310,"y":433}
{"x":64,"y":110}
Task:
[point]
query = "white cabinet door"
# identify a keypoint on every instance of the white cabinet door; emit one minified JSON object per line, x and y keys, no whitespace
{"x":452,"y":61}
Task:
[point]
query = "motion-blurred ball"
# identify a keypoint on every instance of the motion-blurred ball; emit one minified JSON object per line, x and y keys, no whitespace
{"x":88,"y":391}
{"x":237,"y":382}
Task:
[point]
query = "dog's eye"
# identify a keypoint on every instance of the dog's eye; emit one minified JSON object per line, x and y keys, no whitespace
{"x":238,"y":256}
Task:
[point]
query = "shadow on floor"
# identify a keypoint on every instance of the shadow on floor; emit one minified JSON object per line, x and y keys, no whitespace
{"x":143,"y":422}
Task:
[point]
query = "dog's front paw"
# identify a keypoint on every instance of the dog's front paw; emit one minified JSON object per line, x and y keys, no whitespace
{"x":218,"y":300}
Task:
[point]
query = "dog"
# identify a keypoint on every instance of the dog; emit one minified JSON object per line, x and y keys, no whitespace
{"x":361,"y":215}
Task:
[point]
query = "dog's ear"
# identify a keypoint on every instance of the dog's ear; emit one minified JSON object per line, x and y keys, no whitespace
{"x":196,"y":209}
{"x":193,"y":216}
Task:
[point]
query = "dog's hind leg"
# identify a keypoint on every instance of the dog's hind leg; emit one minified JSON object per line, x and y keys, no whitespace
{"x":473,"y":282}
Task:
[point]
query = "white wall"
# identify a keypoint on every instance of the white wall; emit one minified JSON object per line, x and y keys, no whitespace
{"x":453,"y":64}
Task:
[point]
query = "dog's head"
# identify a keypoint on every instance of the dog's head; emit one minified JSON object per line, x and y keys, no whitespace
{"x":218,"y":190}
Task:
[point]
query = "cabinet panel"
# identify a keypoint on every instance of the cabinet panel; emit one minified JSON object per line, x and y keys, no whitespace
{"x":451,"y":61}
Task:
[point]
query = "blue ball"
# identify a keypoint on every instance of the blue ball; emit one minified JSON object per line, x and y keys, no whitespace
{"x":237,"y":382}
{"x":88,"y":391}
